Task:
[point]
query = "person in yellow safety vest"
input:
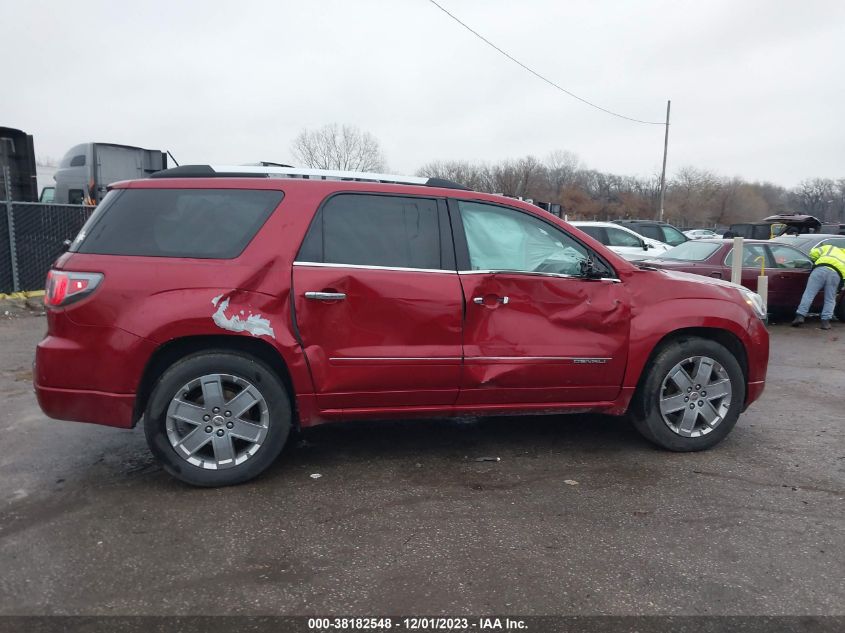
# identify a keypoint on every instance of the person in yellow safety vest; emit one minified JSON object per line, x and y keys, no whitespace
{"x":828,"y":275}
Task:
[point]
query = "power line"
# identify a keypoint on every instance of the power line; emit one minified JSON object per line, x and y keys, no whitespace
{"x":538,"y":75}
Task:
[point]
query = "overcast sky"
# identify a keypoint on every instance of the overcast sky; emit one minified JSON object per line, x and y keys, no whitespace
{"x":757,"y":87}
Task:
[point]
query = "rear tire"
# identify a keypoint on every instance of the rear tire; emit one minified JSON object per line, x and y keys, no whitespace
{"x":691,"y":397}
{"x":217,"y":418}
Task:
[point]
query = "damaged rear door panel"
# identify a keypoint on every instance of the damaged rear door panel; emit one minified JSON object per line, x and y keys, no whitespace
{"x":378,"y":303}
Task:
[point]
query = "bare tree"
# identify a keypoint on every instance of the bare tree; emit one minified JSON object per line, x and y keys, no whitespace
{"x":815,"y":196}
{"x":694,"y":197}
{"x":338,"y":147}
{"x":476,"y":176}
{"x":562,"y":168}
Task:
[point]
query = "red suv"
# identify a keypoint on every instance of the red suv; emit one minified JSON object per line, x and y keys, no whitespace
{"x":225,"y":307}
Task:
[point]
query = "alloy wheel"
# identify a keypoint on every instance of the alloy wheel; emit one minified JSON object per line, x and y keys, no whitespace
{"x":695,"y":396}
{"x":217,"y":421}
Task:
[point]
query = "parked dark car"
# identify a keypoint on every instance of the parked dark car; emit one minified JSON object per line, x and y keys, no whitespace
{"x":660,"y":231}
{"x":786,"y":267}
{"x":226,"y":308}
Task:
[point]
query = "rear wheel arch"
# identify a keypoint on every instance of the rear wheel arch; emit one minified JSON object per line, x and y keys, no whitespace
{"x":172,"y":351}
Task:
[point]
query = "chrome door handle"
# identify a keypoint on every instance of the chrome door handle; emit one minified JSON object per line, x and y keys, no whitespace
{"x":480,"y":300}
{"x":325,"y":296}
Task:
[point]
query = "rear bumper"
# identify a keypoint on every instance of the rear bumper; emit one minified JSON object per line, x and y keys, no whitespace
{"x":89,"y":373}
{"x":96,"y":407}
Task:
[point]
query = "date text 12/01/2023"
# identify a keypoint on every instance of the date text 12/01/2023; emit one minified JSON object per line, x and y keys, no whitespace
{"x":418,"y":624}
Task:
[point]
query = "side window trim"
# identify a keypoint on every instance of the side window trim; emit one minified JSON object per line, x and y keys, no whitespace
{"x":447,"y":249}
{"x":462,"y":248}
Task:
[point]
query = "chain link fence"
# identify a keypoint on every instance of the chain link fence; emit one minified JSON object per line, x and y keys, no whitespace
{"x":32,"y":236}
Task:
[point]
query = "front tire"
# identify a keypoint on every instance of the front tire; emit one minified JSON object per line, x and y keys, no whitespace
{"x":692,"y":396}
{"x":217,"y":418}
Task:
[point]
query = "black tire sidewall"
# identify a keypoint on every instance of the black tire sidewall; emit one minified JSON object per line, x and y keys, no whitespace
{"x":217,"y":362}
{"x":647,"y":417}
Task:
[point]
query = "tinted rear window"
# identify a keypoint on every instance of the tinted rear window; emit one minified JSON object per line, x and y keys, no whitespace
{"x":375,"y":230}
{"x":200,"y":223}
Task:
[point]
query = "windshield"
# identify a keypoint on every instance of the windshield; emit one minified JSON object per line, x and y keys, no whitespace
{"x":692,"y":251}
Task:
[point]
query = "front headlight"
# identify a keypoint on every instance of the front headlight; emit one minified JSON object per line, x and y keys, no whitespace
{"x":755,"y":301}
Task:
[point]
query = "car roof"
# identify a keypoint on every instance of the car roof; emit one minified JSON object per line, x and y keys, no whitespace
{"x":325,"y":187}
{"x":265,"y":170}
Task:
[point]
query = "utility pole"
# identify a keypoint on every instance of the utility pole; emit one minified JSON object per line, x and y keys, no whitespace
{"x":665,"y":149}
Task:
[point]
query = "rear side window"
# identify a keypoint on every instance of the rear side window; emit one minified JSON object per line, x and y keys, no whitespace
{"x":370,"y":230}
{"x":198,"y":223}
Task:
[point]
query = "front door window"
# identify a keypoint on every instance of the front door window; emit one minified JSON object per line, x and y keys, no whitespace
{"x":500,"y":239}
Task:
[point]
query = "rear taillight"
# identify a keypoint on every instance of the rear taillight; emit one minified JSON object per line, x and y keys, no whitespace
{"x":65,"y":287}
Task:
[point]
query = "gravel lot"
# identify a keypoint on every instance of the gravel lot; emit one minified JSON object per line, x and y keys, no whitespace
{"x":580,"y":516}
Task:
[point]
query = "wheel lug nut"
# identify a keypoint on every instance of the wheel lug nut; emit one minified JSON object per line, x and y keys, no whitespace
{"x":703,"y":393}
{"x":216,"y":410}
{"x":686,"y":399}
{"x":208,"y":429}
{"x":697,"y":387}
{"x":229,"y":425}
{"x":206,"y":417}
{"x":692,"y":405}
{"x":220,"y":432}
{"x":689,"y":389}
{"x":701,"y":403}
{"x":228,"y":414}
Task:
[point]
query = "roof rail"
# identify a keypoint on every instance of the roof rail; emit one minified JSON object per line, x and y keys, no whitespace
{"x":268,"y":171}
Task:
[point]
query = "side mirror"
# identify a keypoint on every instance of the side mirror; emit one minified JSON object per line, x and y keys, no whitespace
{"x":646,"y":246}
{"x":589,"y":270}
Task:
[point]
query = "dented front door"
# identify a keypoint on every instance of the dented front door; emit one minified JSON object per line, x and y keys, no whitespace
{"x":542,"y":339}
{"x":536,"y":329}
